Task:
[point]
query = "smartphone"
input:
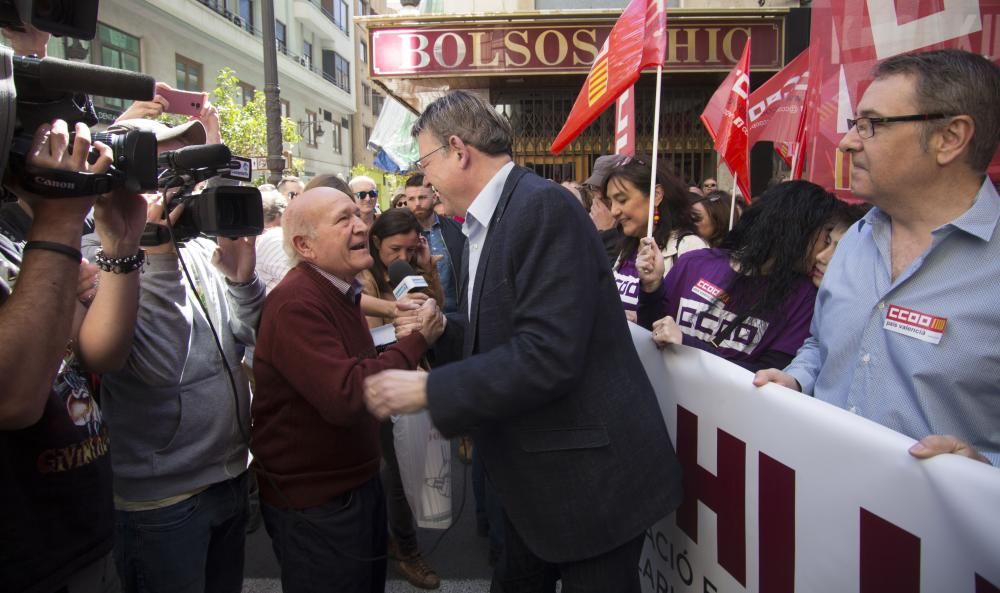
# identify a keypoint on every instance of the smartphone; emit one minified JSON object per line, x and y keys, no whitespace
{"x":183,"y":102}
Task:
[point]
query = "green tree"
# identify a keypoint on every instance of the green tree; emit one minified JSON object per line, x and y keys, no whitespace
{"x":244,"y":127}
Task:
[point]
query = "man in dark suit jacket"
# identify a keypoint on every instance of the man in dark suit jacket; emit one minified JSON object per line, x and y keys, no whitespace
{"x":549,"y":382}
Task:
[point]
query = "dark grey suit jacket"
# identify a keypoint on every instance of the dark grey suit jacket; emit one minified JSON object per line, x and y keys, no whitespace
{"x":550,"y":385}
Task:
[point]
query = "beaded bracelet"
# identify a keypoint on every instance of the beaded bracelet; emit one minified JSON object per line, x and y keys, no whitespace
{"x":120,"y":265}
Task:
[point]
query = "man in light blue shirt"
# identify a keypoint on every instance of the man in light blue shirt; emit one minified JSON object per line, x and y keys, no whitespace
{"x":907,"y":327}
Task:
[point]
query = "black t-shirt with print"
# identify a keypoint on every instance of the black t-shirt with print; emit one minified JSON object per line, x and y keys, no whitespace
{"x":55,"y":500}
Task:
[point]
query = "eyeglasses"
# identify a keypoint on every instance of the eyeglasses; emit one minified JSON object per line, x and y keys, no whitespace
{"x":292,"y":194}
{"x":419,"y":163}
{"x":866,"y":125}
{"x":363,"y":195}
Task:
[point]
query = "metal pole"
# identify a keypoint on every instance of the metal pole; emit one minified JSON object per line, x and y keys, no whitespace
{"x":272,"y":104}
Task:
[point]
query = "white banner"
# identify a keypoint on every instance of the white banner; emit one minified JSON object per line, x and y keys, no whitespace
{"x":785,"y":494}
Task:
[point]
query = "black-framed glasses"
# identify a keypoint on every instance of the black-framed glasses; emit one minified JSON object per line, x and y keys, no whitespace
{"x":364,"y":195}
{"x":419,"y":163}
{"x":866,"y":125}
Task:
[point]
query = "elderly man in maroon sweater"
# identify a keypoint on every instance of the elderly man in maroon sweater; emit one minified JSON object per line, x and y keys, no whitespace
{"x":315,"y":445}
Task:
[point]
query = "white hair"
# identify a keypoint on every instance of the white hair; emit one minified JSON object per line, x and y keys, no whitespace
{"x":358,"y":180}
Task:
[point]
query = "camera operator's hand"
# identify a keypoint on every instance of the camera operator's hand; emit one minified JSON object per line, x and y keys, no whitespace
{"x":236,"y":258}
{"x":30,"y":42}
{"x":50,"y":149}
{"x":209,"y":117}
{"x":119,"y":219}
{"x":146,"y":109}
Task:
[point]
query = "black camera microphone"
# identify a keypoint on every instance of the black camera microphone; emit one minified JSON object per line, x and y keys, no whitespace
{"x":55,"y":75}
{"x":404,"y":279}
{"x":211,"y":156}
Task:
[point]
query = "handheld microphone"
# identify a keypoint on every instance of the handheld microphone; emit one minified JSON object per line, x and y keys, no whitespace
{"x":53,"y":74}
{"x":404,"y":279}
{"x":212,"y":156}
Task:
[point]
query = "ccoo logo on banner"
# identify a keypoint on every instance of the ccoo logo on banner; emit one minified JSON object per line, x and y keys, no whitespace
{"x":785,"y":493}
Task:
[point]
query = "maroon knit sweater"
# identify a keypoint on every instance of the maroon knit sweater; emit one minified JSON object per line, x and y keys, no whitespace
{"x":312,"y":434}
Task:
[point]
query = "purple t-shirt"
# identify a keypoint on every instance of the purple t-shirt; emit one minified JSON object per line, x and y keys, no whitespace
{"x":627,"y":278}
{"x":694,"y":295}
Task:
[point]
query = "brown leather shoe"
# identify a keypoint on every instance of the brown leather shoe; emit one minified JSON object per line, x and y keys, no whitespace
{"x":418,"y":573}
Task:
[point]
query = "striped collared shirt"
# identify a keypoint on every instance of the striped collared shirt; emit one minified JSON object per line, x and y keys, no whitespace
{"x":352,"y":289}
{"x":919,"y":354}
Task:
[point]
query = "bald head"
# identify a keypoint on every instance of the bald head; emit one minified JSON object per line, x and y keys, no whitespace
{"x":323,"y":227}
{"x":303,"y":214}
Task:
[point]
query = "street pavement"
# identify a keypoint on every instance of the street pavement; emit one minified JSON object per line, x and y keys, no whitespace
{"x":460,"y":557}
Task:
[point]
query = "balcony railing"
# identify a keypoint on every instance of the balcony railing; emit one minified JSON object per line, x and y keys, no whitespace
{"x":236,"y":20}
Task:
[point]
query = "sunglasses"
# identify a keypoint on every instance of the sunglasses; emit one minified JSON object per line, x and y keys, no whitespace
{"x":362,"y":195}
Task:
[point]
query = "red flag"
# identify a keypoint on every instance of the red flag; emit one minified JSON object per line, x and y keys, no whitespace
{"x":725,"y":117}
{"x":776,"y":106}
{"x":636,"y":42}
{"x":850,"y":36}
{"x":625,"y":123}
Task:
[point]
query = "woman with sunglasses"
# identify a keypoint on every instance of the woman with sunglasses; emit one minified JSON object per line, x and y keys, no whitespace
{"x":712,"y":212}
{"x":750,"y":301}
{"x":674,"y":231}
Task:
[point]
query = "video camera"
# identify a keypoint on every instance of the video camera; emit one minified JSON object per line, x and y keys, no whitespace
{"x":34,"y":91}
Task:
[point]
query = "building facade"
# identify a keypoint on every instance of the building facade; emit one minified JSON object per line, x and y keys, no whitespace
{"x":185,"y":43}
{"x":530,"y":59}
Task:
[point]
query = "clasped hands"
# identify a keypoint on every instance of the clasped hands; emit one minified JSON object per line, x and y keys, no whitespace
{"x":418,"y":313}
{"x":395,"y":392}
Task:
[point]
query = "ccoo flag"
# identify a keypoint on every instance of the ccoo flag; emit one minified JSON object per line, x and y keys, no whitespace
{"x":726,"y":119}
{"x":636,"y":42}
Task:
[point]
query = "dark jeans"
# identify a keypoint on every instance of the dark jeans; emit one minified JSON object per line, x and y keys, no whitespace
{"x":338,"y":546}
{"x":401,"y":524}
{"x":520,"y":571}
{"x":193,"y":546}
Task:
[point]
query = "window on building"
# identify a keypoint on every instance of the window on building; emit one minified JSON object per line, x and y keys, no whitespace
{"x":281,"y":36}
{"x":307,"y":54}
{"x":342,"y":16}
{"x":368,"y":134}
{"x":189,"y":74}
{"x":366,"y":94}
{"x":363,"y":8}
{"x":115,"y":49}
{"x":286,"y":108}
{"x":336,"y":137}
{"x":246,"y":93}
{"x":363,"y":51}
{"x":377,"y":101}
{"x":246,"y":14}
{"x":310,"y":131}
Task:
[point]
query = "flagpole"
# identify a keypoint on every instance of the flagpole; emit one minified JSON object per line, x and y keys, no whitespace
{"x":795,"y":161}
{"x":656,"y":150}
{"x":732,"y":207}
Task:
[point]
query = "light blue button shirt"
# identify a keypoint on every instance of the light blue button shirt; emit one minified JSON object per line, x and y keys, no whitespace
{"x":895,"y":378}
{"x":477,"y":221}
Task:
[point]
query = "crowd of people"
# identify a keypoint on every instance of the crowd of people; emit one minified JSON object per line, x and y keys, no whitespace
{"x":138,"y":381}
